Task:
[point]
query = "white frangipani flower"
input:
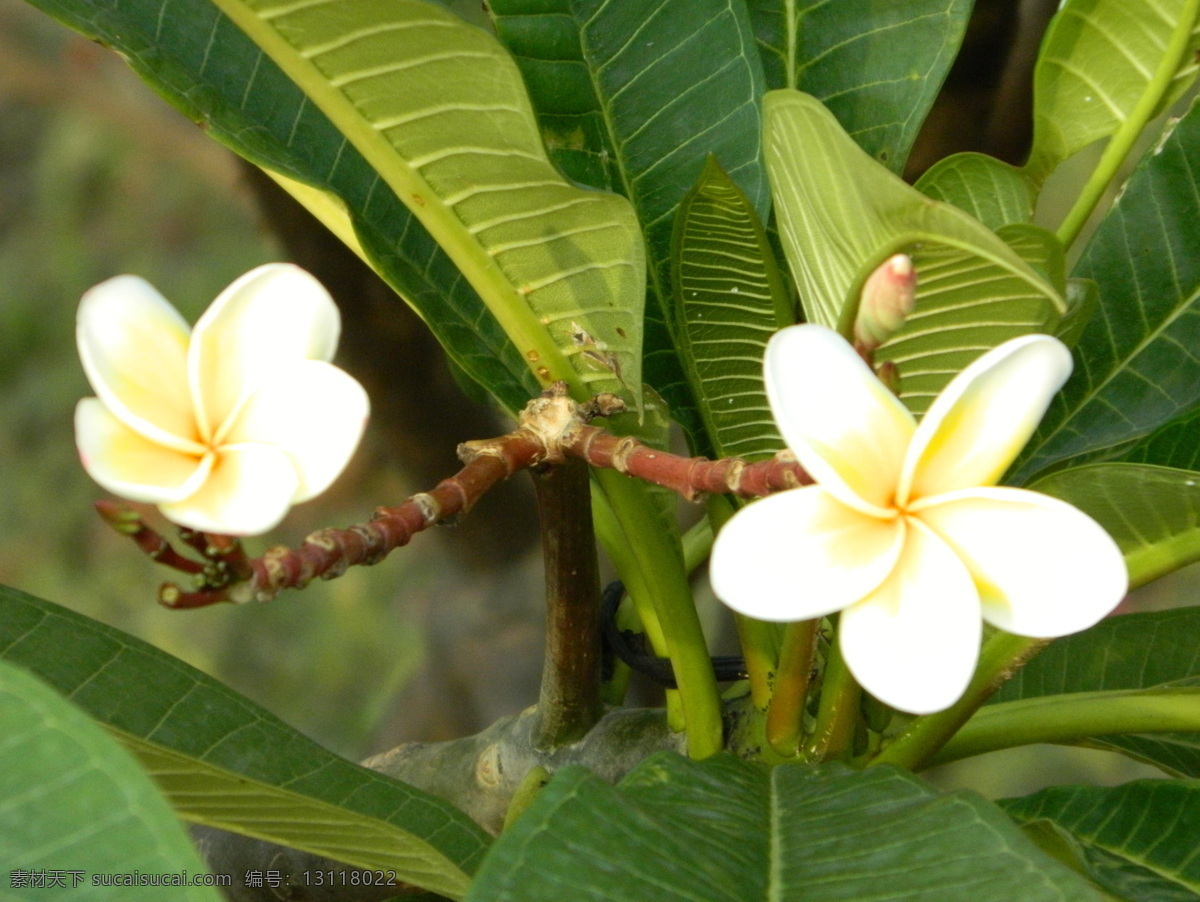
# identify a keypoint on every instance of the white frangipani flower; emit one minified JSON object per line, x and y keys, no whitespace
{"x":226,"y":426}
{"x":905,"y":531}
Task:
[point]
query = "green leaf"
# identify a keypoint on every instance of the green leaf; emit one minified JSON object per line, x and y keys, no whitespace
{"x":841,"y":215}
{"x":1099,"y":65}
{"x":202,"y":64}
{"x":729,"y":300}
{"x":1137,"y":364}
{"x":1177,"y":444}
{"x":992,"y":191}
{"x":1041,"y":249}
{"x":1152,"y":512}
{"x":1154,"y":650}
{"x":451,"y":131}
{"x":1060,"y":845}
{"x":633,"y":97}
{"x":204,"y":794}
{"x":130,"y":686}
{"x":878,"y":66}
{"x":1139,"y":840}
{"x":74,"y":801}
{"x":723,"y":829}
{"x":1151,"y":650}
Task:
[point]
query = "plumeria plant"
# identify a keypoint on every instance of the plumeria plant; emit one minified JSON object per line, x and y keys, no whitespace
{"x":940,"y":428}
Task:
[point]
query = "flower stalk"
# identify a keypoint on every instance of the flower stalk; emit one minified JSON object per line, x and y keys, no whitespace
{"x":838,"y":711}
{"x":785,"y":714}
{"x":1002,"y":656}
{"x":129,"y":522}
{"x":759,"y":640}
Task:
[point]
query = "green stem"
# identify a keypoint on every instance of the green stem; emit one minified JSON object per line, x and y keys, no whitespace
{"x":649,"y":560}
{"x":612,"y":538}
{"x":697,"y":541}
{"x":837,"y":714}
{"x":759,"y":640}
{"x":785,"y":716}
{"x":1074,"y":717}
{"x":1001,"y":657}
{"x":1126,"y":135}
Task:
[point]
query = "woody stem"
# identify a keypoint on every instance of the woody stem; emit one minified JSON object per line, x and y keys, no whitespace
{"x":570,"y":702}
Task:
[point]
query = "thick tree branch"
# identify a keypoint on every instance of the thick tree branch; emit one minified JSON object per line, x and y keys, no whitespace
{"x":569,"y":703}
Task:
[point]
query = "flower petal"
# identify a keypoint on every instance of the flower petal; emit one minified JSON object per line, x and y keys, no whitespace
{"x":272,"y":315}
{"x":914,"y":642}
{"x":844,"y":426}
{"x":983,"y":418}
{"x":133,"y":345}
{"x":1043,"y":568}
{"x":130,"y":465}
{"x":248,"y":492}
{"x":314,"y":413}
{"x":801,"y":554}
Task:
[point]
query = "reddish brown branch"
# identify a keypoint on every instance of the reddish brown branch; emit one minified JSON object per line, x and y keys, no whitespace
{"x":326,"y":554}
{"x":129,"y":522}
{"x":689,"y":476}
{"x":552,"y":428}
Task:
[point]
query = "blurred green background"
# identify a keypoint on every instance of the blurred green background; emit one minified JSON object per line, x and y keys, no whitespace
{"x":98,"y":177}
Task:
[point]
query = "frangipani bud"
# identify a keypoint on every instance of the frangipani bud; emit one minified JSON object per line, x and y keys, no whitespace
{"x":887,"y":300}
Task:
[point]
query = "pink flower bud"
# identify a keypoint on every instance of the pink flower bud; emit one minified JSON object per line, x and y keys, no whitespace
{"x":887,"y":299}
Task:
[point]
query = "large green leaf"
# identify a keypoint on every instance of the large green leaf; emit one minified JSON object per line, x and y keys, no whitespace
{"x":841,"y":214}
{"x":723,"y":829}
{"x":1138,"y":840}
{"x":1103,"y":66}
{"x":200,"y":62}
{"x":204,"y":794}
{"x":1040,"y":249}
{"x":1176,"y":444}
{"x":878,"y":66}
{"x":1102,"y":62}
{"x":729,"y":299}
{"x":1155,"y":650}
{"x":439,"y":111}
{"x":1152,"y":512}
{"x":633,"y":97}
{"x":992,"y":191}
{"x":133,"y":687}
{"x":76,"y":805}
{"x":1138,"y":358}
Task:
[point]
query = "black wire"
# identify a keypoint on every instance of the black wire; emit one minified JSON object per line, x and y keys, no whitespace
{"x":631,"y":648}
